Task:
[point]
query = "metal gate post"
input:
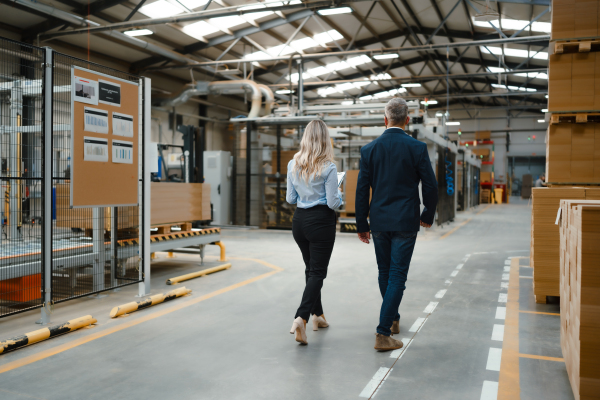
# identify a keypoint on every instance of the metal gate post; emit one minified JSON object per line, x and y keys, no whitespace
{"x":99,"y":248}
{"x":47,"y":189}
{"x":144,"y":247}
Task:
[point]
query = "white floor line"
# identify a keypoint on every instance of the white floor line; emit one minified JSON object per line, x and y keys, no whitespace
{"x":417,"y":325}
{"x":504,"y":285}
{"x":505,"y":277}
{"x":494,"y":358}
{"x":489,"y":391}
{"x":487,"y":252}
{"x":430,"y":307}
{"x":448,"y":282}
{"x":506,"y":268}
{"x":498,"y":332}
{"x":454,"y":273}
{"x":400,"y":352}
{"x":440,"y":294}
{"x":502,"y":297}
{"x":459,"y":266}
{"x":507,"y":262}
{"x":525,"y":277}
{"x":374,"y":382}
{"x":501,"y":313}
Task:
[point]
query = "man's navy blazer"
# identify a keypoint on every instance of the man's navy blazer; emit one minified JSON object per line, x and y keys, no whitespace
{"x":392,"y":166}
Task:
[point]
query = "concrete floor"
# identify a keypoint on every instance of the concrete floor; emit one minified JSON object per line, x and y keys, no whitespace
{"x":230,"y":340}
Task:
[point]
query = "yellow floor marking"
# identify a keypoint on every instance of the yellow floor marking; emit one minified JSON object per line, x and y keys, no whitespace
{"x":538,"y":312}
{"x":542,"y":357}
{"x":455,"y":229}
{"x":509,"y":387}
{"x":484,"y":209}
{"x":86,"y":339}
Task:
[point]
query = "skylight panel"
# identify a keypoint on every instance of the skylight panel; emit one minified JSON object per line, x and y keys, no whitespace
{"x":380,"y":76}
{"x":326,"y":37}
{"x":516,"y":25}
{"x":304,"y":43}
{"x":160,"y":9}
{"x":227,"y":22}
{"x":318,"y":71}
{"x":192,"y":4}
{"x":515,"y":52}
{"x":344,"y":86}
{"x":258,"y":55}
{"x":368,"y":97}
{"x":363,"y":59}
{"x":199,"y":29}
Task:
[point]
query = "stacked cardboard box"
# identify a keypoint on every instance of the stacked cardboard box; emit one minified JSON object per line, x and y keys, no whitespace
{"x":573,"y":153}
{"x":574,"y":82}
{"x":545,"y":236}
{"x":580,"y":300}
{"x":575,"y":19}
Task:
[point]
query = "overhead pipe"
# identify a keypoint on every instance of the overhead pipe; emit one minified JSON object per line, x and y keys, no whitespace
{"x":221,"y":87}
{"x":269,"y":98}
{"x":82,"y":22}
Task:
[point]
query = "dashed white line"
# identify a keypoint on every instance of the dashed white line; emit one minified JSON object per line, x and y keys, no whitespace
{"x":498,"y":333}
{"x":501,"y":313}
{"x":459,"y":266}
{"x":502,"y":297}
{"x":440,"y":294}
{"x":400,"y":352}
{"x":380,"y":375}
{"x":494,"y":358}
{"x":430,"y":307}
{"x":507,"y":262}
{"x":505,"y":277}
{"x":448,"y":282}
{"x":504,"y":285}
{"x":489,"y":391}
{"x":454,"y":273}
{"x":417,"y":325}
{"x":506,"y":269}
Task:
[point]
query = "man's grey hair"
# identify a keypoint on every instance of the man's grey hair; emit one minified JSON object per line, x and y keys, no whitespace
{"x":396,"y":110}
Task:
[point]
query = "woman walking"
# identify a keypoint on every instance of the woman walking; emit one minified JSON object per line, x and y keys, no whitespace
{"x":312,"y":184}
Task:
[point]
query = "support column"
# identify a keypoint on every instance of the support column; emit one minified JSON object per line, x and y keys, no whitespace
{"x":98,"y":248}
{"x":14,"y":160}
{"x":144,"y":249}
{"x":47,"y":189}
{"x":248,"y":169}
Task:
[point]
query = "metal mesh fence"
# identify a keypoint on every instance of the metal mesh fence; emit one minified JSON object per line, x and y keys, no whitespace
{"x":93,"y":248}
{"x":263,"y":203}
{"x":21,"y":101}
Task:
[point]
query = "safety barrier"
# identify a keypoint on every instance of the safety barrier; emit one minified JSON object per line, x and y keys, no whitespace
{"x":193,"y":275}
{"x":151,"y":301}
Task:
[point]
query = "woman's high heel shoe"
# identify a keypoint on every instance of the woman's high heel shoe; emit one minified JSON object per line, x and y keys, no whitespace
{"x":299,"y":327}
{"x":319,"y":322}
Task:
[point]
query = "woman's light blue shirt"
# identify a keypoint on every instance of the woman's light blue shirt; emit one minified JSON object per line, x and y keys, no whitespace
{"x":322,"y":189}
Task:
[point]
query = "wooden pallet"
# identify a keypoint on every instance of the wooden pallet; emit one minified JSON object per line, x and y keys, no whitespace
{"x":576,"y":46}
{"x":165,"y":229}
{"x":576,"y":117}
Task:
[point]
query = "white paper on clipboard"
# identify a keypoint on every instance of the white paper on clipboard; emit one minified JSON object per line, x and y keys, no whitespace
{"x":341,"y":176}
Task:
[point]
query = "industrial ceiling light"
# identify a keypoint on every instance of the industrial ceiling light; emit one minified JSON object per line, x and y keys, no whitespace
{"x":428,"y":102}
{"x":439,"y":114}
{"x":138,"y":32}
{"x":416,"y":84}
{"x":284,"y":91}
{"x":541,"y":121}
{"x":385,"y":56}
{"x":333,"y":11}
{"x":544,"y":110}
{"x":452,"y":123}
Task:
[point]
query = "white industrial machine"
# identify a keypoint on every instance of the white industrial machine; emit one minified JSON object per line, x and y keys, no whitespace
{"x":217,"y":173}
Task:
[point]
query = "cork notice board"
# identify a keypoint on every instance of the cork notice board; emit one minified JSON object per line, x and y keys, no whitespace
{"x":105,"y":115}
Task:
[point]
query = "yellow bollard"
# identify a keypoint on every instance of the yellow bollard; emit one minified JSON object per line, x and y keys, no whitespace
{"x":222,"y":246}
{"x":153,"y":300}
{"x":170,"y":255}
{"x":46,"y":333}
{"x":198,"y":274}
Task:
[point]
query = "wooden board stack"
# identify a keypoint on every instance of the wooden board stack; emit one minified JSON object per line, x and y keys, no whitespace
{"x":545,"y":236}
{"x":580,"y":295}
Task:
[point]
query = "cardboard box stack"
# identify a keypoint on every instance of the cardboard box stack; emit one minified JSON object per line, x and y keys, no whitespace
{"x":545,"y":236}
{"x":579,"y":295}
{"x":573,"y":19}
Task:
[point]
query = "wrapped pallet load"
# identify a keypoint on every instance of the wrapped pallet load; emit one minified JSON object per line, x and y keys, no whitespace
{"x":580,"y":295}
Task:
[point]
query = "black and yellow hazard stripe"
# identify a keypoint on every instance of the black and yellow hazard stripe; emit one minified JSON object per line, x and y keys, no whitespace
{"x":150,"y":301}
{"x":169,"y":236}
{"x":46,"y":333}
{"x":348,"y":227}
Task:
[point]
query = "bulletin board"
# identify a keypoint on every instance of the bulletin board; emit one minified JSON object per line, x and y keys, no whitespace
{"x":105,"y":118}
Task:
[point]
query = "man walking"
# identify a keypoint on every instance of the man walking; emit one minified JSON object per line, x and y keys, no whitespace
{"x":392,"y":166}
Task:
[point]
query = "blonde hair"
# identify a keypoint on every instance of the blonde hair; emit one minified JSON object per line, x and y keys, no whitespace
{"x":315,"y":152}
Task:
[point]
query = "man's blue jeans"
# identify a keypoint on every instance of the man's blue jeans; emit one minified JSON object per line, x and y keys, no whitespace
{"x":393,"y":251}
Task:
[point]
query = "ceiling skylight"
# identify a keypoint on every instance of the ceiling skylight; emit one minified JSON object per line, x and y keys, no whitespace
{"x":536,"y":75}
{"x":515,"y":52}
{"x":340,"y":88}
{"x":297,"y":45}
{"x":333,"y":67}
{"x":199,"y":29}
{"x":515,"y":25}
{"x":381,"y":76}
{"x":161,"y":9}
{"x":514,"y":88}
{"x":333,"y":11}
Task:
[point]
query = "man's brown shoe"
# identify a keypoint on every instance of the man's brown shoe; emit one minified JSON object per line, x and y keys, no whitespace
{"x":395,"y":327}
{"x":386,"y":343}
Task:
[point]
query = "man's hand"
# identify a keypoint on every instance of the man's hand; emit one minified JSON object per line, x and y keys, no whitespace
{"x":423,"y":224}
{"x":364,"y":237}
